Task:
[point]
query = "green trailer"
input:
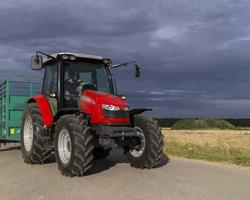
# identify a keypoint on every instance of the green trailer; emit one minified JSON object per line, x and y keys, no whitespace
{"x":13,"y":95}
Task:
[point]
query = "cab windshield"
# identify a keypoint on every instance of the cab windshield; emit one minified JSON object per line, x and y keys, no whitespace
{"x":92,"y":74}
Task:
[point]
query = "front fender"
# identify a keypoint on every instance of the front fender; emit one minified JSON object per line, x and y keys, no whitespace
{"x":137,"y":111}
{"x":45,"y":108}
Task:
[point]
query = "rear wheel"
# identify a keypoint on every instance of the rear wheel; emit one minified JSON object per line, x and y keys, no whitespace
{"x":148,"y":152}
{"x":73,"y":145}
{"x":34,"y":150}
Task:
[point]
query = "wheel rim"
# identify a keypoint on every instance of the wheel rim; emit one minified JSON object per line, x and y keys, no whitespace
{"x":139,"y":150}
{"x":28,"y":134}
{"x":64,"y":146}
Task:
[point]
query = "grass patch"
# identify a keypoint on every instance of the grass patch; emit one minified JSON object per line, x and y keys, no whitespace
{"x":220,"y":146}
{"x":195,"y":124}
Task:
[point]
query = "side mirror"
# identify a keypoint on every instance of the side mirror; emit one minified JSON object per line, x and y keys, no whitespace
{"x":137,"y":71}
{"x":36,"y":62}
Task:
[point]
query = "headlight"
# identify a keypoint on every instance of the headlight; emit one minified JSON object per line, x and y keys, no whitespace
{"x":72,"y":57}
{"x":65,"y":57}
{"x":110,"y":107}
{"x":126,"y":109}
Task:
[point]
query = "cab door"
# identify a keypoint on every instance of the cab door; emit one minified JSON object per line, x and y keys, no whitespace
{"x":50,"y":86}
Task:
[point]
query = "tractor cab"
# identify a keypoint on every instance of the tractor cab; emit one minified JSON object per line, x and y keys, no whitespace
{"x":67,"y":75}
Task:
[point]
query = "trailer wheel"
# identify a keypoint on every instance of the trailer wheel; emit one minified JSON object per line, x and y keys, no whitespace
{"x":73,"y":145}
{"x":148,"y":153}
{"x":101,"y":153}
{"x":33,"y":146}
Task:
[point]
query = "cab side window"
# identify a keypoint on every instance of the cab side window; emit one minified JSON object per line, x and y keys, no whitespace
{"x":50,"y":80}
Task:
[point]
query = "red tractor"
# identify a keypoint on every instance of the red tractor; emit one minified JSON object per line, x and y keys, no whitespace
{"x":79,"y":117}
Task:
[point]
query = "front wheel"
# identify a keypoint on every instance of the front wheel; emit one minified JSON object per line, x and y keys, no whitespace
{"x":148,"y":152}
{"x":73,"y":145}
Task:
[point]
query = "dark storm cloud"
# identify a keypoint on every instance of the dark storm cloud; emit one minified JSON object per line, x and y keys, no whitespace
{"x":195,"y":54}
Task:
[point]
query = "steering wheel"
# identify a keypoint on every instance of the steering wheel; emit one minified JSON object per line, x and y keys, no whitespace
{"x":86,"y":86}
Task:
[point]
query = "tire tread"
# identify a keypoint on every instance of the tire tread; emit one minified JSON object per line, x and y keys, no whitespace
{"x":37,"y":154}
{"x":154,"y":144}
{"x":82,"y":146}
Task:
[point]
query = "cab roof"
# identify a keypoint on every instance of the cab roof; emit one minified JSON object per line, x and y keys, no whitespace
{"x":77,"y":55}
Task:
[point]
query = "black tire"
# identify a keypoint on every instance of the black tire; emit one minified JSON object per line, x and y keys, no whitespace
{"x":101,"y":153}
{"x":39,"y":153}
{"x":152,"y":154}
{"x":81,"y":139}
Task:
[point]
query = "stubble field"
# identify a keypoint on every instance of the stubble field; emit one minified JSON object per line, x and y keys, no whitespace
{"x":231,"y":146}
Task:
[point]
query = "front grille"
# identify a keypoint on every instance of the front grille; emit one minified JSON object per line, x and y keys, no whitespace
{"x":116,"y":114}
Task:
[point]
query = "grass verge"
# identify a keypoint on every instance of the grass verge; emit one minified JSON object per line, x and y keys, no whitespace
{"x":220,"y":146}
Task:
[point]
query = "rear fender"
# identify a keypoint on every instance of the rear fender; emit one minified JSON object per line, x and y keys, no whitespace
{"x":65,"y":111}
{"x":45,"y":108}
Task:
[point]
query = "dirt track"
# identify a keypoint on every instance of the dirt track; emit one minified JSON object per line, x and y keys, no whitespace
{"x":113,"y":178}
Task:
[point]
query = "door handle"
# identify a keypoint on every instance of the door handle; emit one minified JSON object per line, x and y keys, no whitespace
{"x":52,"y":95}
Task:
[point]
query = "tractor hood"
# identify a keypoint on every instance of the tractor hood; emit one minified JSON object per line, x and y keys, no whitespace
{"x":105,"y":98}
{"x":103,"y":107}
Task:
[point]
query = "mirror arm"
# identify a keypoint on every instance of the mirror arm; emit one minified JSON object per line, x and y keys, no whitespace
{"x":122,"y":64}
{"x":49,"y":56}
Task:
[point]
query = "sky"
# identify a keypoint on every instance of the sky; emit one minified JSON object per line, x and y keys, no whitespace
{"x":194,"y":55}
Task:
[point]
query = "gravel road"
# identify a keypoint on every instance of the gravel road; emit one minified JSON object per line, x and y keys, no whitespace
{"x":113,"y":179}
